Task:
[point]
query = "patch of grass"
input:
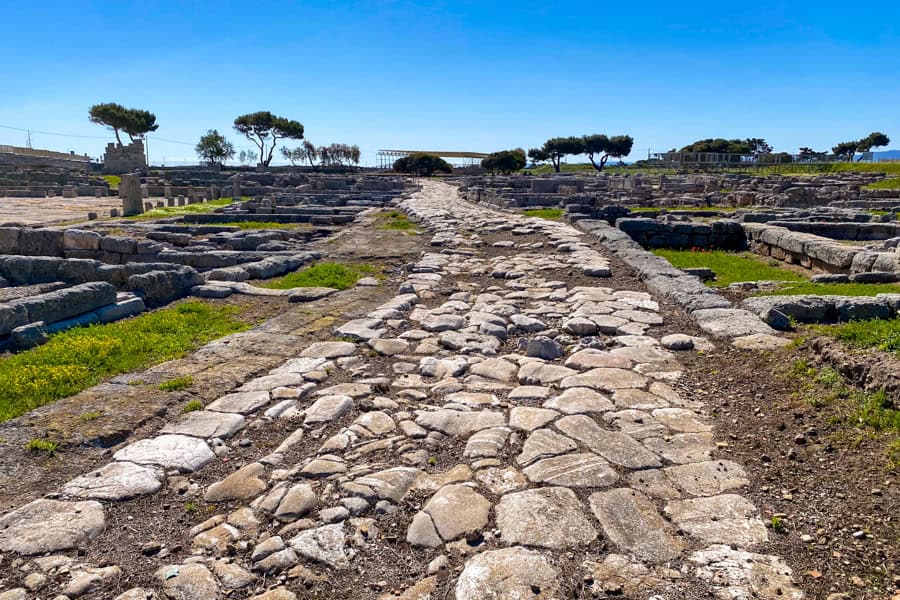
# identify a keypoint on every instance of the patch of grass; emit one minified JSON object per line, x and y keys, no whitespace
{"x":729,"y":267}
{"x":90,"y":416}
{"x":192,"y":406}
{"x":179,"y":383}
{"x":190,"y":507}
{"x":832,"y":289}
{"x":36,"y":445}
{"x":891,"y":183}
{"x":79,"y":358}
{"x":177,"y":211}
{"x":553,"y":214}
{"x":893,"y":454}
{"x":880,"y":334}
{"x":327,"y":274}
{"x":263,"y":225}
{"x":395,"y":220}
{"x":113,"y":181}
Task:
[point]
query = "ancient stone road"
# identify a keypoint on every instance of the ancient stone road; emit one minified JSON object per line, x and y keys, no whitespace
{"x":504,"y":427}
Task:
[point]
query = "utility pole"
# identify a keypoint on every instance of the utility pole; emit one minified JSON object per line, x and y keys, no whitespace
{"x":28,"y":140}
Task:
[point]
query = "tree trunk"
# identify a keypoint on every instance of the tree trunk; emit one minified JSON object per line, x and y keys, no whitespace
{"x":591,"y":158}
{"x":556,"y":161}
{"x":118,"y":139}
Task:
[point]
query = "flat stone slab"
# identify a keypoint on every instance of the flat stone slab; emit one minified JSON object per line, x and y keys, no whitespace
{"x":390,"y":484}
{"x":328,"y":350}
{"x":115,"y":481}
{"x":309,"y":294}
{"x":240,"y":402}
{"x":328,"y":408}
{"x":544,"y":443}
{"x":243,"y":484}
{"x":730,"y":322}
{"x":169,"y":451}
{"x":456,"y":510}
{"x":300,"y":366}
{"x":760,"y":341}
{"x":597,"y":359}
{"x":529,"y":418}
{"x":682,"y":448}
{"x":629,"y":519}
{"x":606,"y":379}
{"x":207,"y":424}
{"x":616,"y":447}
{"x":579,"y":400}
{"x":550,"y":517}
{"x":458,"y":423}
{"x":724,"y":519}
{"x":573,"y":470}
{"x":741,"y":574}
{"x":508,"y":574}
{"x":538,"y":373}
{"x":495,"y":368}
{"x":51,"y":526}
{"x":267,"y":383}
{"x":707,"y":478}
{"x":324,"y":544}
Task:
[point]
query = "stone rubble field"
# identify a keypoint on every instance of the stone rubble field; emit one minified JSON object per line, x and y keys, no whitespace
{"x":505,"y":427}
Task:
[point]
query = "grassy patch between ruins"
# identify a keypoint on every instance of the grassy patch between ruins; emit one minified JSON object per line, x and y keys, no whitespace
{"x":339,"y":276}
{"x":880,"y":334}
{"x":553,"y":214}
{"x":832,"y":289}
{"x":396,"y":221}
{"x":76,"y":359}
{"x":871,"y":411}
{"x":892,"y":183}
{"x":113,"y":181}
{"x":683,"y":208}
{"x":729,"y":267}
{"x":187,"y":209}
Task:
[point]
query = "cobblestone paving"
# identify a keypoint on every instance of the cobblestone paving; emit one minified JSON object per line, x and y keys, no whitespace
{"x":517,"y":437}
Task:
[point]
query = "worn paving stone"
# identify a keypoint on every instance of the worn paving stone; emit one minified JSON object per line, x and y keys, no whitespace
{"x":707,"y":478}
{"x":614,"y":446}
{"x":579,"y":400}
{"x":682,"y":448}
{"x":207,"y":424}
{"x":460,"y":424}
{"x":243,"y":484}
{"x":181,"y":452}
{"x":50,"y":526}
{"x":324,"y":544}
{"x":190,"y":580}
{"x":514,"y":573}
{"x":597,"y":359}
{"x":328,"y":350}
{"x":572,"y":470}
{"x":487,"y":443}
{"x":528,"y":418}
{"x":723,"y":519}
{"x":605,"y":379}
{"x":551,"y":517}
{"x":240,"y":402}
{"x":544,"y":443}
{"x":630,"y":520}
{"x":456,"y":510}
{"x":115,"y":481}
{"x":327,"y":409}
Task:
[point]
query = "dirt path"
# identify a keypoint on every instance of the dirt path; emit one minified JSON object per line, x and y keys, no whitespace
{"x":507,"y":425}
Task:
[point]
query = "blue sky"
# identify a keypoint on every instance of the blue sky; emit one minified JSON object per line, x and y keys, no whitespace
{"x":461,"y":75}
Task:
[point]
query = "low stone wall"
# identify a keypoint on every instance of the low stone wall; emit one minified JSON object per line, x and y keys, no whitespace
{"x":781,"y":311}
{"x":843,"y":230}
{"x":654,"y":233}
{"x":713,"y":313}
{"x":816,"y":252}
{"x":26,"y":322}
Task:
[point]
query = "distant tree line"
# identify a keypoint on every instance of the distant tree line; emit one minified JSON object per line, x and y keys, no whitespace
{"x":334,"y":155}
{"x":423,"y":164}
{"x":505,"y":161}
{"x":598,"y":147}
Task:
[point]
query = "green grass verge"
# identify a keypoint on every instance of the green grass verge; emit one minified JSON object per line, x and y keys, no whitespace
{"x":833,"y":289}
{"x":79,"y":358}
{"x":881,"y":334}
{"x":395,"y":220}
{"x":553,"y":214}
{"x":891,"y":183}
{"x":729,"y":267}
{"x":187,"y":209}
{"x":263,"y":225}
{"x":328,"y":274}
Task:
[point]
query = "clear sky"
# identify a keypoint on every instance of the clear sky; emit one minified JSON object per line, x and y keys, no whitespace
{"x":463,"y":75}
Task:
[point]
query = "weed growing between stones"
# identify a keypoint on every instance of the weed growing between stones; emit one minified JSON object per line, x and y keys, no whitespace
{"x":176,"y":211}
{"x":882,"y":334}
{"x":339,"y":276}
{"x":37,"y":445}
{"x":79,"y":358}
{"x":179,"y":383}
{"x":192,"y":406}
